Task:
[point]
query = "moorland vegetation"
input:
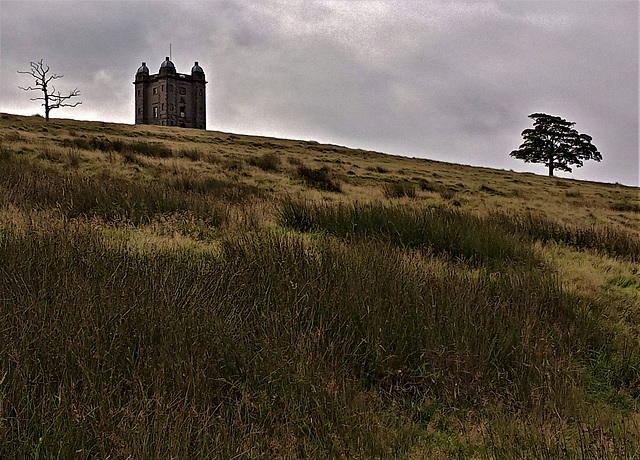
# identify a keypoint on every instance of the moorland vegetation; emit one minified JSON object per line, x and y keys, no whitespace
{"x":172,"y":293}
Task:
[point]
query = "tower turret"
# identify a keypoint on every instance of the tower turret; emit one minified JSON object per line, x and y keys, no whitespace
{"x":167,"y":67}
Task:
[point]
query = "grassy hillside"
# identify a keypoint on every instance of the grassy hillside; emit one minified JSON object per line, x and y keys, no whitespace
{"x":172,"y":293}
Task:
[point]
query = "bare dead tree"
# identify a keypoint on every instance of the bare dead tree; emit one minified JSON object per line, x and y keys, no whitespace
{"x":52,"y":99}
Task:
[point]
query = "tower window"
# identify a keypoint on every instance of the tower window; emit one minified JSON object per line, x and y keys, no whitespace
{"x":183,"y":90}
{"x":182,"y":112}
{"x":155,"y":111}
{"x":155,"y":90}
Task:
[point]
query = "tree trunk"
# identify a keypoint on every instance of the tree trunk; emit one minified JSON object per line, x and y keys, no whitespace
{"x":46,"y":102}
{"x":550,"y":168}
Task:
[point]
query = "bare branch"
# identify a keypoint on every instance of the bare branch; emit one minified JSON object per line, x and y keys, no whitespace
{"x":60,"y":99}
{"x":53,"y":99}
{"x":70,"y":105}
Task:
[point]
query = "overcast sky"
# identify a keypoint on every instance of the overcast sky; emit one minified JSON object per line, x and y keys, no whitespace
{"x":445,"y":80}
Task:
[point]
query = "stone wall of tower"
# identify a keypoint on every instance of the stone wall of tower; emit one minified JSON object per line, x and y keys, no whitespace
{"x":199,"y":103}
{"x":171,"y":99}
{"x":141,"y":98}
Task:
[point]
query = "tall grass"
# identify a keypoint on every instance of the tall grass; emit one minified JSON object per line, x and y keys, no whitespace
{"x":399,"y":189}
{"x":267,"y":162}
{"x":441,"y":230}
{"x":613,"y":241}
{"x":150,"y":149}
{"x":498,"y":236}
{"x":113,"y":352}
{"x":273,"y":347}
{"x":319,"y":178}
{"x":5,"y":151}
{"x":113,"y":199}
{"x":492,"y":245}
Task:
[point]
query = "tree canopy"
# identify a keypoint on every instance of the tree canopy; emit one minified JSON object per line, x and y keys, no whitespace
{"x":554,"y":143}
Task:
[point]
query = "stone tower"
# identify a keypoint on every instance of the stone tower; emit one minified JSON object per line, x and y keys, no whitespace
{"x":169,"y":98}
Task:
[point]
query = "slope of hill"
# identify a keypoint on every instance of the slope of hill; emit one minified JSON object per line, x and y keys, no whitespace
{"x":171,"y":293}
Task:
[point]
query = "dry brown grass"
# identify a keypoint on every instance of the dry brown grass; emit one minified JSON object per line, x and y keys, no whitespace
{"x":121,"y":258}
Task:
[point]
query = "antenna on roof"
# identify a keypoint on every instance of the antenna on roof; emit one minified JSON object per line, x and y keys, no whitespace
{"x":170,"y":58}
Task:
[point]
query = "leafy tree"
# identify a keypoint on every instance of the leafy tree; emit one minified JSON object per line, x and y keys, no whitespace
{"x":52,"y":99}
{"x":554,"y":143}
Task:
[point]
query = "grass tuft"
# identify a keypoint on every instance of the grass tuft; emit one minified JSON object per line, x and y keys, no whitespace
{"x":267,"y":162}
{"x":5,"y":152}
{"x":399,"y":190}
{"x":319,"y":178}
